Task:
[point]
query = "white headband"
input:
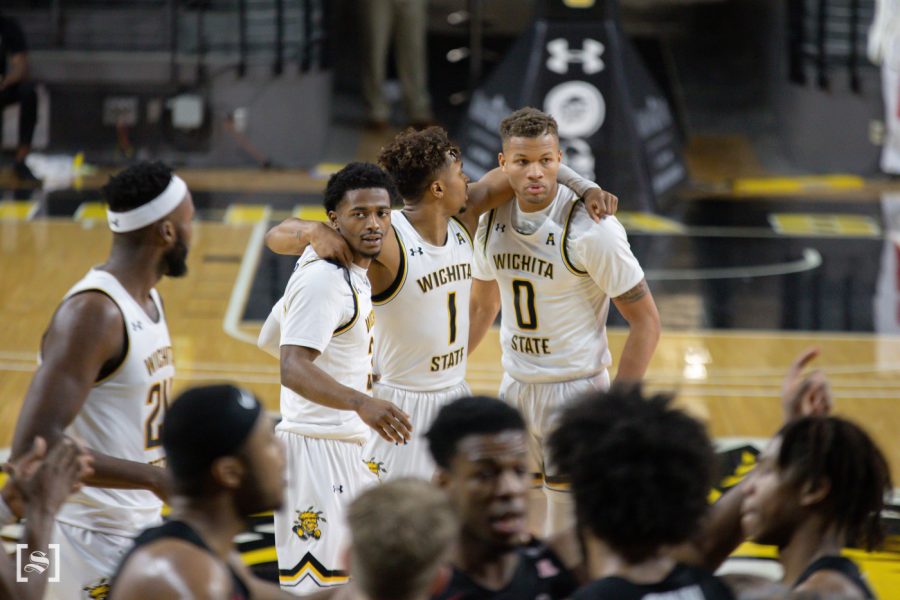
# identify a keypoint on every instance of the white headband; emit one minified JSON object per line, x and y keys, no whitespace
{"x":156,"y":209}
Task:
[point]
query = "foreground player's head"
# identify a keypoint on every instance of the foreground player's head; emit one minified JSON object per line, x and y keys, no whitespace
{"x":530,"y":156}
{"x":402,"y":533}
{"x":640,"y":469}
{"x":480,"y":448}
{"x":358,"y":200}
{"x":218,"y":440}
{"x":823,"y":471}
{"x":426,"y":162}
{"x":150,"y":205}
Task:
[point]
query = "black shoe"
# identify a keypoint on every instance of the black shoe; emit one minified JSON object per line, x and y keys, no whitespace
{"x":24,"y":174}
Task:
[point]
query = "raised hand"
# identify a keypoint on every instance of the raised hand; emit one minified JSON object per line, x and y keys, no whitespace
{"x":805,"y":395}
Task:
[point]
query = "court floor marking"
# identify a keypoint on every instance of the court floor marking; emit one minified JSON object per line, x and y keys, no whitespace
{"x":811,"y":260}
{"x":244,"y":281}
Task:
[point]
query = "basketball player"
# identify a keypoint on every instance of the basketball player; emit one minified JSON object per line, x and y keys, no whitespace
{"x":554,"y":271}
{"x":105,"y":376}
{"x":39,"y":482}
{"x":325,"y":324}
{"x":402,"y":535}
{"x":480,"y":446}
{"x":226,"y":464}
{"x":820,"y":486}
{"x":423,"y":274}
{"x":640,"y":472}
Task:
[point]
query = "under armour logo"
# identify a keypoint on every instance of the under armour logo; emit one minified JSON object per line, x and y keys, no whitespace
{"x":115,"y":222}
{"x":414,"y":251}
{"x":137,"y":325}
{"x":338,"y":489}
{"x":561,"y":56}
{"x":500,"y":227}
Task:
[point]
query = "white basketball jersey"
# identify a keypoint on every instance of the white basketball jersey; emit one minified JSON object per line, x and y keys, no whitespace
{"x":123,"y":414}
{"x":422,"y":325}
{"x":553,"y":325}
{"x":328,"y":308}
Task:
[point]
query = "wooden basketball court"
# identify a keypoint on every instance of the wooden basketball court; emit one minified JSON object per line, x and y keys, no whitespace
{"x":743,"y":283}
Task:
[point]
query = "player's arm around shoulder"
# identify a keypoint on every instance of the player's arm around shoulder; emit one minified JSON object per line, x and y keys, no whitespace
{"x":86,"y":337}
{"x":293,"y":235}
{"x":172,"y":570}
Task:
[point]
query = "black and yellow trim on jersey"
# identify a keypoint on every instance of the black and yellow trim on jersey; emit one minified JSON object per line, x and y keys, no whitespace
{"x":309,"y":566}
{"x":346,"y":326}
{"x":490,"y":226}
{"x":396,"y":285}
{"x":565,"y":246}
{"x":466,"y":231}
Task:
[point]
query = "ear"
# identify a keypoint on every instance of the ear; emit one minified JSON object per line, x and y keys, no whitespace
{"x":228,"y":472}
{"x":501,"y":160}
{"x":332,"y":219}
{"x":440,"y":581}
{"x":167,"y":231}
{"x":436,"y":189}
{"x":811,"y":495}
{"x":559,"y":155}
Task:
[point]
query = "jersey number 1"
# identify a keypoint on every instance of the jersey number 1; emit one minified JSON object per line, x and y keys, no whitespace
{"x":525,"y":319}
{"x":451,"y":309}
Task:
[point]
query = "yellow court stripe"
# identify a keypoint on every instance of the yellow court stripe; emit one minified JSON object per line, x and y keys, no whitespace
{"x":91,"y":211}
{"x":824,"y":224}
{"x":246,"y":214}
{"x":310,"y":213}
{"x":793,"y":185}
{"x":17,"y":210}
{"x":647,"y":222}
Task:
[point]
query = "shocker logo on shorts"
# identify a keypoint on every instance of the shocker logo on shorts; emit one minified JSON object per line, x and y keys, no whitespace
{"x":306,"y":525}
{"x":376,"y":466}
{"x":97,"y":591}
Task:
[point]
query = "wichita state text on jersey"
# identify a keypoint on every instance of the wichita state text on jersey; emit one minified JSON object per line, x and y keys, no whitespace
{"x":428,"y":354}
{"x":555,"y":285}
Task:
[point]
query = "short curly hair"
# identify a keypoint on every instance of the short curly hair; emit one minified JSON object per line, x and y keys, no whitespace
{"x":816,"y":449}
{"x":640,"y":470}
{"x":414,"y":159}
{"x":472,"y":415}
{"x":136,"y":185}
{"x":358,"y":176}
{"x":528,"y":122}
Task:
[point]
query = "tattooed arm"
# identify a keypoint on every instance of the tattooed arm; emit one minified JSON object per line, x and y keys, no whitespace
{"x":638,"y":308}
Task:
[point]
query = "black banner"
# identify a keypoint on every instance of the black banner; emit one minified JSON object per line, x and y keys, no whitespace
{"x":615,"y":125}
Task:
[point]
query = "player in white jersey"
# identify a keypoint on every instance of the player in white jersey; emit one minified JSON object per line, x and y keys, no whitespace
{"x":325,"y":321}
{"x":421,"y":283}
{"x":106,"y":373}
{"x":554,"y":271}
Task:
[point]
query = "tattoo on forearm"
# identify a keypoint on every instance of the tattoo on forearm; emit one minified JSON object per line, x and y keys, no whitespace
{"x":635,"y":293}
